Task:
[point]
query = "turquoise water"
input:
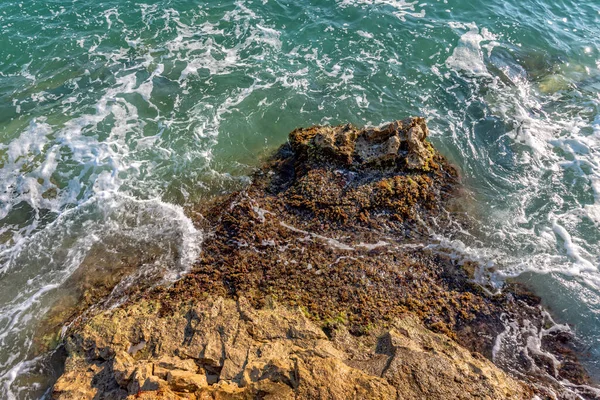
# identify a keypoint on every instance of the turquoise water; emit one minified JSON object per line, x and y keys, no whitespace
{"x":116,"y":114}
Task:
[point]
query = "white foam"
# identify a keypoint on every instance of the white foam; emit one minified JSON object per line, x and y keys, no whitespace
{"x":334,"y":243}
{"x":523,"y":340}
{"x":573,"y":251}
{"x":537,"y":184}
{"x":402,"y":7}
{"x":468,"y":54}
{"x":373,"y":246}
{"x":39,"y":264}
{"x":364,"y":34}
{"x":535,"y":237}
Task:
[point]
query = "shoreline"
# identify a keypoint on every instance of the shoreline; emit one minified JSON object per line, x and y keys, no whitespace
{"x":330,"y":227}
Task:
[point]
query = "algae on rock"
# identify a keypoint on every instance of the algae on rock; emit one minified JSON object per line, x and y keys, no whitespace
{"x":315,"y":282}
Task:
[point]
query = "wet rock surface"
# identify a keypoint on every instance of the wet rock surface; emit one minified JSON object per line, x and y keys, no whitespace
{"x":317,"y":282}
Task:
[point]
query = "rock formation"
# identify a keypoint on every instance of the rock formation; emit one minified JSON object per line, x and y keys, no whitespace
{"x":315,"y":282}
{"x":227,"y":349}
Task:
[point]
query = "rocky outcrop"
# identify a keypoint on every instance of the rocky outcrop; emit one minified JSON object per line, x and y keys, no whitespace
{"x":334,"y":229}
{"x":227,"y":349}
{"x":399,"y":144}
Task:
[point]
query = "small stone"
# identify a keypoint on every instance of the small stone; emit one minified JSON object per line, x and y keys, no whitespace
{"x":123,"y":367}
{"x":152,"y":383}
{"x":139,"y":377}
{"x":186,"y":381}
{"x":173,"y":362}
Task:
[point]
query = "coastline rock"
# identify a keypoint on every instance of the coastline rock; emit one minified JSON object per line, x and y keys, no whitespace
{"x":275,"y":352}
{"x":316,"y":282}
{"x":399,"y":144}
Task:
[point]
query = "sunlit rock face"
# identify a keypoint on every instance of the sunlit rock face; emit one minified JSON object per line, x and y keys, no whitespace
{"x":317,"y":281}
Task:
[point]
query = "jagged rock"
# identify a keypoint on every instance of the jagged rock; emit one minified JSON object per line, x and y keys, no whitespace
{"x":167,"y":363}
{"x":141,"y":379}
{"x":185,"y":381}
{"x":331,"y":378}
{"x":277,"y":352}
{"x":401,"y":143}
{"x":335,"y":227}
{"x":74,"y":385}
{"x":432,"y":366}
{"x":418,"y":153}
{"x":123,"y":368}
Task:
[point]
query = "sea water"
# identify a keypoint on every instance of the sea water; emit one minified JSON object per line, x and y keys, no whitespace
{"x":115,"y":115}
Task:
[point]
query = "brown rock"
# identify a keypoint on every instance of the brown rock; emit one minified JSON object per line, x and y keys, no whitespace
{"x":432,"y":366}
{"x":337,"y":142}
{"x":123,"y":368}
{"x":418,"y":153}
{"x":169,"y":363}
{"x":401,"y":142}
{"x":278,"y":353}
{"x":73,"y":385}
{"x":333,"y":224}
{"x":141,"y":379}
{"x":185,"y":381}
{"x":332,"y":379}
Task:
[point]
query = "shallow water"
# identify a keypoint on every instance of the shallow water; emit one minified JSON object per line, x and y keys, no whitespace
{"x":116,"y":114}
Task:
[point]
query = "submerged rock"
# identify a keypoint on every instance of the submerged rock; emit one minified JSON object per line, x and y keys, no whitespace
{"x":316,"y":282}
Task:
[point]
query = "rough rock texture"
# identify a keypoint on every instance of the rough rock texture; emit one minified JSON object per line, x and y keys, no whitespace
{"x":336,"y":225}
{"x":228,"y":349}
